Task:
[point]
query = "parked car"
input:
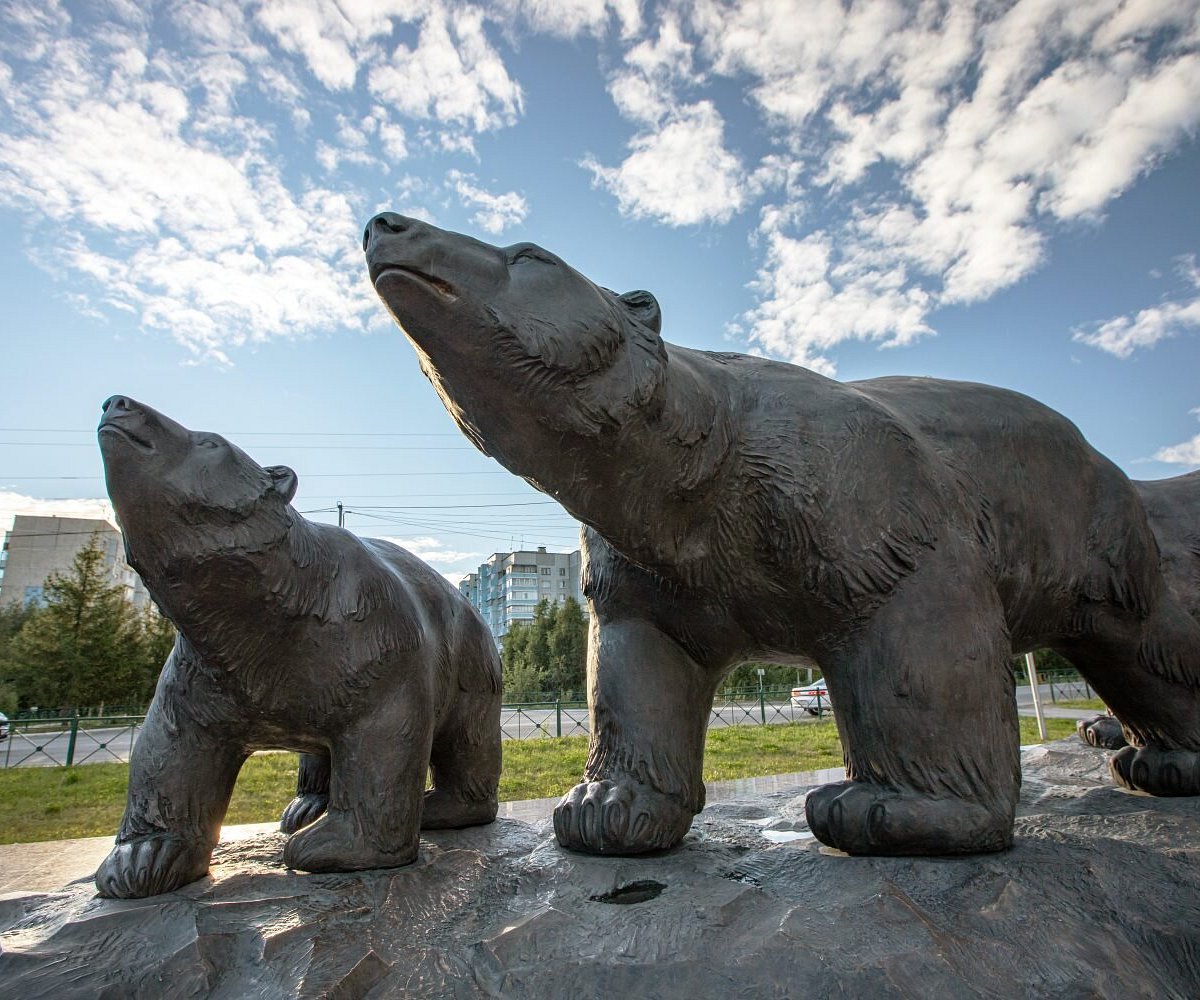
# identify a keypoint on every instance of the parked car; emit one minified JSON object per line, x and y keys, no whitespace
{"x":813,"y":698}
{"x":3,"y":726}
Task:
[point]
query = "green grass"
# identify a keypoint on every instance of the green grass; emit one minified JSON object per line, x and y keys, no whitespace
{"x":1095,"y":703}
{"x":38,"y":803}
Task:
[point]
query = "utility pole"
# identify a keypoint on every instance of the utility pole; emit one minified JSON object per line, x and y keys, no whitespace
{"x":341,"y":515}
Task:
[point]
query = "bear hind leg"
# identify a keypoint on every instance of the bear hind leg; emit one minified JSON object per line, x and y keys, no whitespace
{"x":927,"y":714}
{"x":312,"y":793}
{"x":1150,"y":677}
{"x":465,"y":764}
{"x":375,"y":788}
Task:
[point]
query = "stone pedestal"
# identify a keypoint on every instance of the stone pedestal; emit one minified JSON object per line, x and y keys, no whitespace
{"x":1099,"y":897}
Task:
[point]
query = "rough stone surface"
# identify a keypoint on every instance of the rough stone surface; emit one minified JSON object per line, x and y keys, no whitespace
{"x":1100,"y":896}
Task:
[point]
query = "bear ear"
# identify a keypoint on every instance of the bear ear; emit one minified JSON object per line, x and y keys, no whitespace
{"x":283,"y":481}
{"x":643,"y":307}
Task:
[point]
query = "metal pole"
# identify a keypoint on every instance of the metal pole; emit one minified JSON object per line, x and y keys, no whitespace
{"x":1031,"y":669}
{"x":71,"y":740}
{"x":341,"y":515}
{"x":557,"y":717}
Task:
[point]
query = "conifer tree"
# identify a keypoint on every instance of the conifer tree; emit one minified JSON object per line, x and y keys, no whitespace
{"x":83,"y":645}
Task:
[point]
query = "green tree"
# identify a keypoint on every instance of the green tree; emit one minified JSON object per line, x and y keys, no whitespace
{"x":83,"y":646}
{"x":524,"y":680}
{"x":546,"y":657}
{"x":12,"y":616}
{"x":566,"y":642}
{"x":156,"y":639}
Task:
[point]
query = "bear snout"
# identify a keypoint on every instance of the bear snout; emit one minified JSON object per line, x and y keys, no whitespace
{"x":386,"y":222}
{"x":118,"y":405}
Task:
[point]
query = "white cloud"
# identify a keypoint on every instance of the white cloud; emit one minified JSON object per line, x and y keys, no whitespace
{"x":570,"y":18}
{"x":813,"y":298}
{"x":1185,"y":453}
{"x":453,"y":75}
{"x":1122,"y":335}
{"x":496,"y":212}
{"x":171,"y":206}
{"x":963,"y":132}
{"x":452,"y":564}
{"x":681,"y":173}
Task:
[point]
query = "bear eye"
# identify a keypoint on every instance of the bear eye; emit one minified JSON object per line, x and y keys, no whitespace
{"x":208,"y":442}
{"x":530,"y":252}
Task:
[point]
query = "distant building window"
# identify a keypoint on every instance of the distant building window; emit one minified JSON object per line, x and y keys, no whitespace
{"x":35,"y":597}
{"x":545,"y":571}
{"x":562,"y":572}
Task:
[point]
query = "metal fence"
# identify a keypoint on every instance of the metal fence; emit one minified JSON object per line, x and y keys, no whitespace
{"x":1068,"y":686}
{"x":64,"y":741}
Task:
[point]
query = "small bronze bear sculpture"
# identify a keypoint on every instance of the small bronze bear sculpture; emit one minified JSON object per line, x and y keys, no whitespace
{"x":292,"y":635}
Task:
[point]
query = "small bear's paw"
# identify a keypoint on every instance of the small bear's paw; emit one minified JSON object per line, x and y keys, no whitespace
{"x":861,"y":818}
{"x":335,"y":843}
{"x":619,"y":817}
{"x":302,"y":810}
{"x":442,"y":811}
{"x":148,"y":866}
{"x":1156,"y":771}
{"x":1102,"y":731}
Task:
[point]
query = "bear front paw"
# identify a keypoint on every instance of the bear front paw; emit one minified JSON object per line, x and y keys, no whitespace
{"x":1157,"y":772}
{"x":861,"y":818}
{"x":149,"y":866}
{"x":302,"y":810}
{"x":619,"y":817}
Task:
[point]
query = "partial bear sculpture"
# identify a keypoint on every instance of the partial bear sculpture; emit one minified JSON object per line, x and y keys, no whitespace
{"x":908,"y":534}
{"x":292,"y":635}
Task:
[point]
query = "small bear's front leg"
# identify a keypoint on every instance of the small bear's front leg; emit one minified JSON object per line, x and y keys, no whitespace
{"x":181,"y":776}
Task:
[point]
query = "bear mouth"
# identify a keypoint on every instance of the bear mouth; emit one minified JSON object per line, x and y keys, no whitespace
{"x":144,"y":444}
{"x":443,"y":288}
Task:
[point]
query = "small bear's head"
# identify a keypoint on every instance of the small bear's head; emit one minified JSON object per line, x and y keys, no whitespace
{"x":181,"y":494}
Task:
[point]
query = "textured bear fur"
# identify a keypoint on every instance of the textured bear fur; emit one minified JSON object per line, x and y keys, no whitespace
{"x":292,"y":635}
{"x":908,"y":534}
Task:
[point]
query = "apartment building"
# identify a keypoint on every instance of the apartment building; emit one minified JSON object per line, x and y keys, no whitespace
{"x":37,"y":546}
{"x":509,"y":585}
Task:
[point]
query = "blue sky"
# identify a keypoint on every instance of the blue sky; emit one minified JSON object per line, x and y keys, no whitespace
{"x":997,"y":192}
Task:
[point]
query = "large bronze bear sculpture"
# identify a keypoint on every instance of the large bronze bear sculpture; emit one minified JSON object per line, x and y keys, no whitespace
{"x":909,"y":534}
{"x":292,"y":635}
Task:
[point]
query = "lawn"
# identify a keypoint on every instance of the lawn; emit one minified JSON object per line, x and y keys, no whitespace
{"x":87,"y":801}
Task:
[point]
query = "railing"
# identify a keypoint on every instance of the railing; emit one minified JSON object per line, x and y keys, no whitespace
{"x":64,"y":742}
{"x":1068,"y":686}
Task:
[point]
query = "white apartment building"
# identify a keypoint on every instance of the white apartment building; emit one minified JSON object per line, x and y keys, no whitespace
{"x":38,"y":546}
{"x":509,"y":585}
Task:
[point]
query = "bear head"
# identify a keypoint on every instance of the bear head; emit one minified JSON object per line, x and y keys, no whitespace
{"x":186,"y":495}
{"x":492,"y":324}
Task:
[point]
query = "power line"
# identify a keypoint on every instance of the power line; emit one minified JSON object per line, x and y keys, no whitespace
{"x":307,"y":475}
{"x":63,"y":430}
{"x":292,"y":447}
